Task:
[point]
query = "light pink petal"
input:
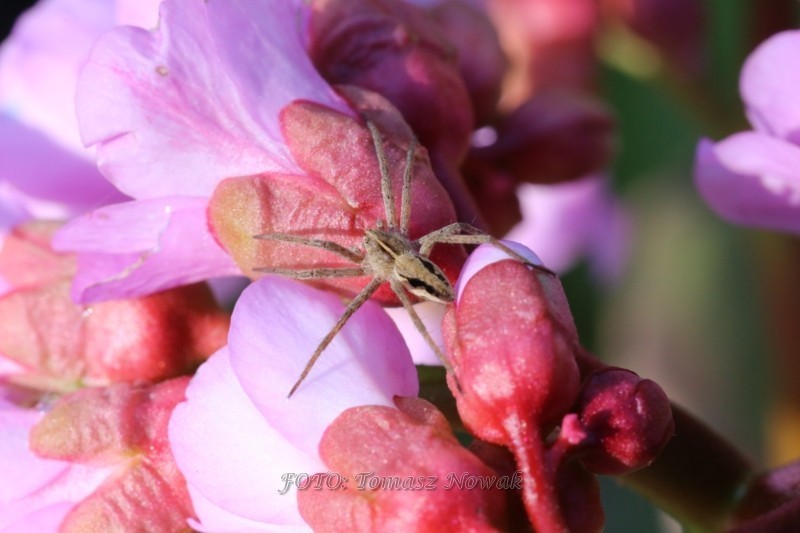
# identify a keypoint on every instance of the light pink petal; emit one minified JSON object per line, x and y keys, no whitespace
{"x":137,"y":248}
{"x":568,"y":221}
{"x":44,"y":519}
{"x":45,"y":171}
{"x":751,"y":179}
{"x":40,"y":61}
{"x":176,"y":110}
{"x":16,"y":460}
{"x":769,"y":82}
{"x":276,"y":326}
{"x":43,"y":490}
{"x":230,"y":455}
{"x":485,"y":255}
{"x":431,"y":314}
{"x":216,"y":519}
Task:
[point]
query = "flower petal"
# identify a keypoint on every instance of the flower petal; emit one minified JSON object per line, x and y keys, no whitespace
{"x":276,"y":326}
{"x":769,"y":82}
{"x":138,"y":248}
{"x":431,"y":314}
{"x":207,"y":85}
{"x":230,"y":455}
{"x":751,"y":179}
{"x":45,"y":171}
{"x":44,"y":490}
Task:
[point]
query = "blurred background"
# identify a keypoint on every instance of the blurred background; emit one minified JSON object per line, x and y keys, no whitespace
{"x":708,"y":310}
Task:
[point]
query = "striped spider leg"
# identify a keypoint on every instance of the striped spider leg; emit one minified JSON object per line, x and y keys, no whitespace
{"x":388,"y":256}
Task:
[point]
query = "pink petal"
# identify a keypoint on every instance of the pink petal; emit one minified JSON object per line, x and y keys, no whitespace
{"x":16,"y":460}
{"x":176,"y":110}
{"x":230,"y":455}
{"x":138,"y":248}
{"x":214,"y":518}
{"x":769,"y":82}
{"x":431,"y":314}
{"x":56,"y":182}
{"x":751,"y":179}
{"x":43,"y":490}
{"x":275,"y":328}
{"x":567,"y":221}
{"x":40,"y":62}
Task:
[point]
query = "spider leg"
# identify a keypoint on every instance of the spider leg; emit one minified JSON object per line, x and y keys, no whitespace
{"x":352,"y":307}
{"x":398,"y":289}
{"x":405,"y":200}
{"x":330,"y":246}
{"x":449,"y":235}
{"x":386,"y":183}
{"x":314,"y":273}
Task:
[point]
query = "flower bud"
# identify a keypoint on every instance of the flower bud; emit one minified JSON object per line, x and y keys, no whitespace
{"x":482,"y":62}
{"x":390,"y":469}
{"x":335,"y":198}
{"x":124,"y":426}
{"x":397,"y":50}
{"x":510,"y":340}
{"x":553,"y":136}
{"x":628,"y":421}
{"x":59,"y":344}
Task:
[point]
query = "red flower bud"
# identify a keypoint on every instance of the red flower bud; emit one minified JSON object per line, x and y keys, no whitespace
{"x":397,"y":50}
{"x":337,"y":197}
{"x":552,"y":137}
{"x":123,"y":426}
{"x":510,"y":339}
{"x":61,"y":345}
{"x":390,"y":470}
{"x":511,"y":342}
{"x":482,"y":62}
{"x":628,"y":421}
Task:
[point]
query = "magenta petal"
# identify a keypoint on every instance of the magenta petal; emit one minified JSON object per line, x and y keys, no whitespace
{"x":137,"y":248}
{"x":751,"y":179}
{"x":176,"y":110}
{"x":769,"y":81}
{"x":229,"y":453}
{"x":276,"y":326}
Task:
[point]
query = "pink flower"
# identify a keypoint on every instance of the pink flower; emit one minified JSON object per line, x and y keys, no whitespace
{"x":45,"y":169}
{"x":570,"y":221}
{"x":237,"y":435}
{"x":173,"y":112}
{"x":753,"y":177}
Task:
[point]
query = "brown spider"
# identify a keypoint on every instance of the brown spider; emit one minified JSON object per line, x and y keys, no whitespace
{"x":389,"y":255}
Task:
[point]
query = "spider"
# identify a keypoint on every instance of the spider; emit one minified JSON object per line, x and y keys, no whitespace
{"x":390,"y":256}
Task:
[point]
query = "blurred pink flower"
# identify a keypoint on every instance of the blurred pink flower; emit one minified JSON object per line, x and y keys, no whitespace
{"x":237,"y":433}
{"x":173,"y":112}
{"x":570,"y":221}
{"x":46,"y":171}
{"x":753,"y":178}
